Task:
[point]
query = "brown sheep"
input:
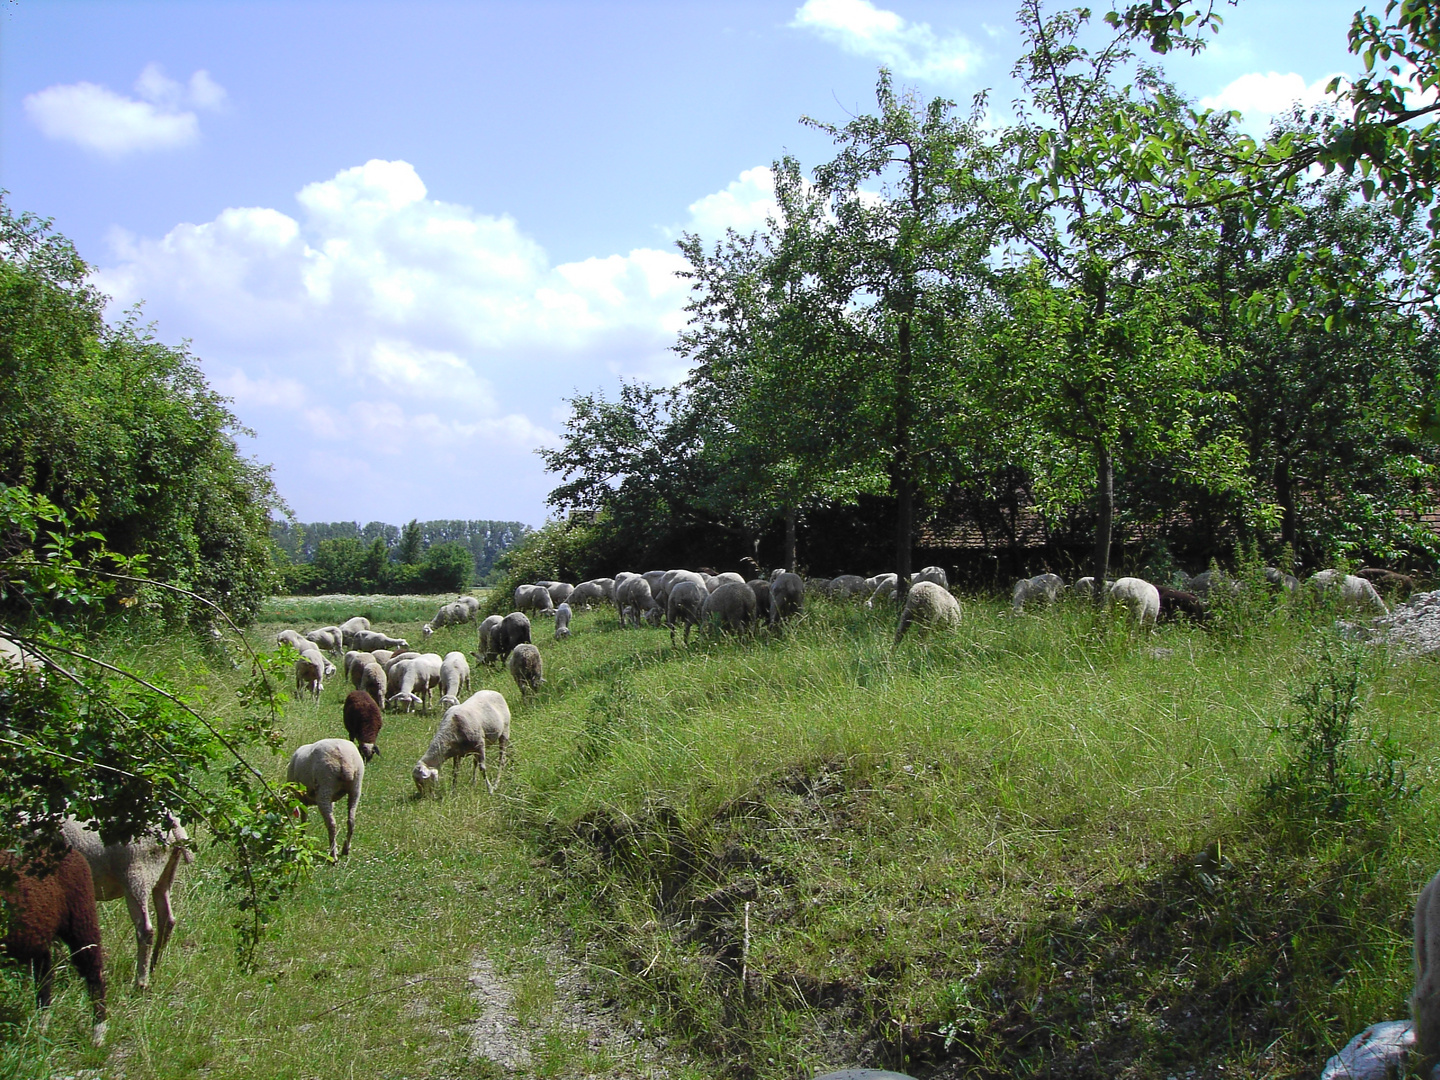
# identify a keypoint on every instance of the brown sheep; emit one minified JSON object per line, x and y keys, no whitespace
{"x":363,"y":722}
{"x":61,"y":905}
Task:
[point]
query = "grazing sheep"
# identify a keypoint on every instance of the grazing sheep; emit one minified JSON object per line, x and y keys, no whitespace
{"x":761,"y":588}
{"x":363,"y":721}
{"x":1140,"y":597}
{"x":1208,"y":581}
{"x":559,"y":592}
{"x":635,"y":593}
{"x":354,"y":662}
{"x":930,"y":606}
{"x":847,"y":586}
{"x":1046,"y":587}
{"x":454,"y":678}
{"x":887,"y":586}
{"x":327,"y":638}
{"x":685,"y":603}
{"x":415,"y":676}
{"x":464,"y":730}
{"x":383,"y":656}
{"x":1425,"y":1000}
{"x":1085,"y":586}
{"x":451,"y":614}
{"x":370,"y":640}
{"x":1354,"y":591}
{"x":349,"y":627}
{"x":562,"y":621}
{"x":818,"y":586}
{"x":935,"y":574}
{"x":1388,"y":581}
{"x":374,"y":683}
{"x":731,"y":606}
{"x":1174,"y":603}
{"x":1288,"y":582}
{"x":526,"y":668}
{"x":787,"y":597}
{"x":326,"y":770}
{"x":588,"y":594}
{"x":293,"y":639}
{"x":310,"y":674}
{"x":145,"y":867}
{"x":513,"y":630}
{"x":59,"y":904}
{"x":534,"y":598}
{"x":487,"y":651}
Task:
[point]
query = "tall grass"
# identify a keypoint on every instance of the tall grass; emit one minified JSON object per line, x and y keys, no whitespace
{"x":968,"y":855}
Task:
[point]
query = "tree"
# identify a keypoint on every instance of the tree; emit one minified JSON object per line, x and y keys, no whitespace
{"x":894,"y":268}
{"x":1098,"y":351}
{"x":412,"y":544}
{"x":106,"y":412}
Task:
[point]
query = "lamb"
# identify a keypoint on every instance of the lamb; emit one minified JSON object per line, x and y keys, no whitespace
{"x":1354,"y":591}
{"x":363,"y":721}
{"x":534,"y":598}
{"x":487,"y":651}
{"x":929,"y":606}
{"x":562,"y":621}
{"x":686,"y":600}
{"x":1046,"y":587}
{"x":513,"y":630}
{"x":731,"y":606}
{"x":349,"y":628}
{"x":60,"y":904}
{"x":325,"y":770}
{"x":454,"y":677}
{"x":1425,"y":1000}
{"x":526,"y":668}
{"x":374,"y":683}
{"x":146,"y":866}
{"x":370,"y":640}
{"x":310,"y":674}
{"x":327,"y":638}
{"x":464,"y":731}
{"x":787,"y":597}
{"x":1139,"y":596}
{"x":293,"y":639}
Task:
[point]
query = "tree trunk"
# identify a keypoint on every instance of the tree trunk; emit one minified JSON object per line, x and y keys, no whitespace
{"x":904,"y":527}
{"x":1289,"y":519}
{"x":790,"y":515}
{"x":902,"y":477}
{"x":1105,"y":475}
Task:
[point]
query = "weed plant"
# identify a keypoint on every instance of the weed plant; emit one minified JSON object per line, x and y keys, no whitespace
{"x":1041,"y":845}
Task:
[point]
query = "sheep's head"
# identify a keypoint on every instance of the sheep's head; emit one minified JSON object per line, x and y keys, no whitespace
{"x":427,"y":629}
{"x":368,"y":750}
{"x":449,"y":701}
{"x":425,"y":778}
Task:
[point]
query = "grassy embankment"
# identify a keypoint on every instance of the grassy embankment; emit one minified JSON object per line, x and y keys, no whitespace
{"x":970,"y":856}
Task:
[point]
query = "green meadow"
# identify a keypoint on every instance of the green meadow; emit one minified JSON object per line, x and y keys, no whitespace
{"x":1045,"y":845}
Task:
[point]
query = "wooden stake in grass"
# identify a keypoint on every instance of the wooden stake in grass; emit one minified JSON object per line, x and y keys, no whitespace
{"x":745,"y":955}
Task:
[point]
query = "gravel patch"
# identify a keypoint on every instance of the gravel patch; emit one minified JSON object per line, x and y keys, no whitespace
{"x":1414,"y":626}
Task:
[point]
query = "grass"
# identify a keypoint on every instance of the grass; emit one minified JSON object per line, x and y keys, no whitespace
{"x":335,"y":608}
{"x":968,"y":856}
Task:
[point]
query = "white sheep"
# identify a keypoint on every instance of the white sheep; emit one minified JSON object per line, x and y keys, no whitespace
{"x":885,"y":588}
{"x":293,"y":639}
{"x":534,"y":598}
{"x":349,"y":628}
{"x":1425,"y":1000}
{"x":588,"y":593}
{"x":310,"y":673}
{"x":463,"y":732}
{"x":526,"y":668}
{"x":415,"y":676}
{"x":146,"y":866}
{"x":1355,"y":591}
{"x":634,"y":593}
{"x":454,"y":678}
{"x":928,"y":605}
{"x":685,"y":604}
{"x":787,"y":596}
{"x":1141,"y":598}
{"x":370,"y":640}
{"x":847,"y":586}
{"x":327,"y":638}
{"x":936,"y":574}
{"x":487,"y":652}
{"x":1047,"y":587}
{"x":326,"y":770}
{"x":562,"y":621}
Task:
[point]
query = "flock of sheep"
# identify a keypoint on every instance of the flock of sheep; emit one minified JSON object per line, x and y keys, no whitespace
{"x":387,"y":675}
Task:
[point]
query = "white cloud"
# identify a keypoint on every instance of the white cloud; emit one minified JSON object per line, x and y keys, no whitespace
{"x":372,"y":320}
{"x":98,"y":119}
{"x":911,"y":49}
{"x":1260,"y":97}
{"x":745,"y":205}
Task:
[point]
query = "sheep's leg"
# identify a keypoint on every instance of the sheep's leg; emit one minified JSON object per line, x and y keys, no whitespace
{"x":42,"y":966}
{"x":327,"y":812}
{"x":164,"y":913}
{"x":353,"y":802}
{"x":144,"y":931}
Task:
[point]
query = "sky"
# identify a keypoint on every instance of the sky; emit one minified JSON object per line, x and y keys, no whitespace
{"x":400,"y":236}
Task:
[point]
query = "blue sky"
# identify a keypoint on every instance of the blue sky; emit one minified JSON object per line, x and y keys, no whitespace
{"x":398,"y":236}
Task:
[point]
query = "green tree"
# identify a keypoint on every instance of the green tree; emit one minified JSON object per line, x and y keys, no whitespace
{"x":412,"y":544}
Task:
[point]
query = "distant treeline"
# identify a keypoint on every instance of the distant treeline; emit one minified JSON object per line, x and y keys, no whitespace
{"x":423,"y":556}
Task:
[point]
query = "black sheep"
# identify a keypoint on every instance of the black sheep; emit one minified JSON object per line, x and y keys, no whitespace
{"x":363,"y":722}
{"x":59,"y":904}
{"x":1174,"y":603}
